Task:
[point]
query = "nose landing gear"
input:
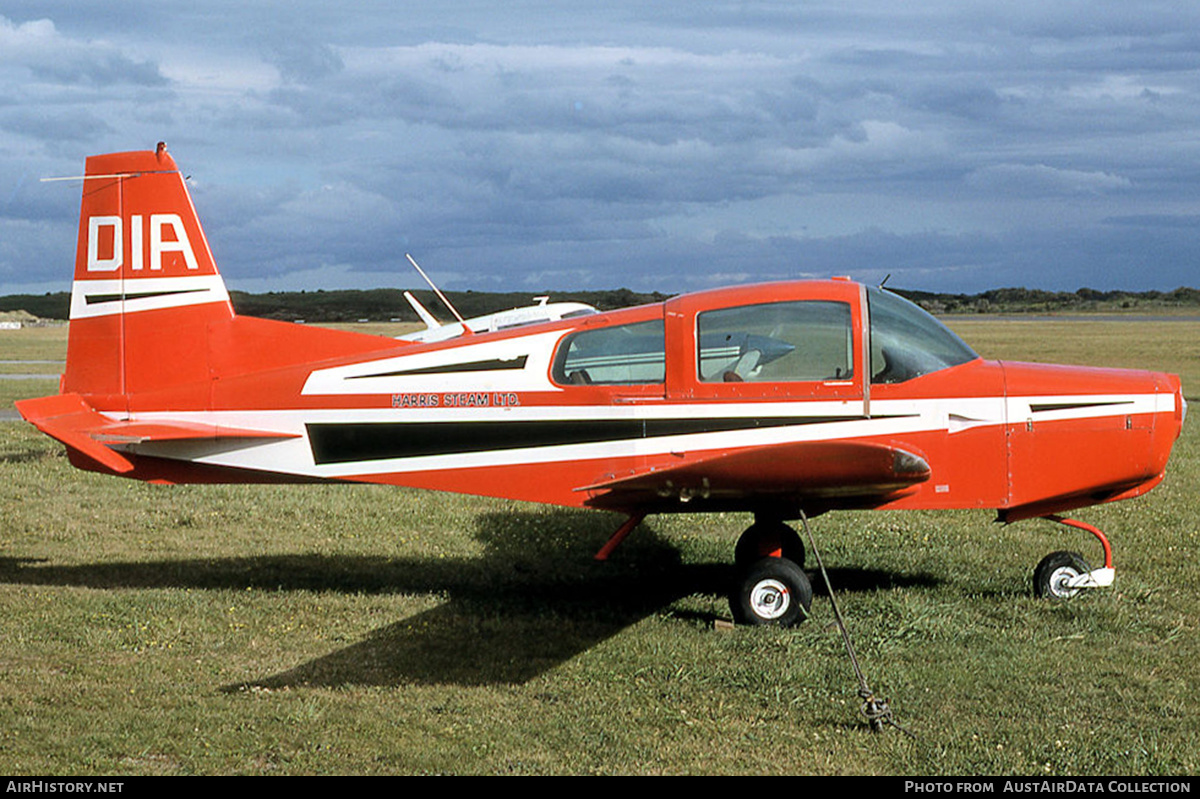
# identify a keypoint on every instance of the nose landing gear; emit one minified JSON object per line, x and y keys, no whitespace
{"x":1062,"y":575}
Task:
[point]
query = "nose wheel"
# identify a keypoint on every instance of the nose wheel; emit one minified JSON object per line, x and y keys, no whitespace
{"x":1057,"y":576}
{"x":1062,"y":575}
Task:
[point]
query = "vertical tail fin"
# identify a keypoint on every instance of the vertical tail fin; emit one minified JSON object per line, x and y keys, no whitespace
{"x":146,"y":286}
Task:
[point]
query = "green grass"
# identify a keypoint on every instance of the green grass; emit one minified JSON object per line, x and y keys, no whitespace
{"x":30,"y":344}
{"x":1160,"y":346}
{"x":13,"y":390}
{"x":34,"y":343}
{"x":359,"y":629}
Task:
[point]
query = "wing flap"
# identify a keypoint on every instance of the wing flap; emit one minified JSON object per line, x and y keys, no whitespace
{"x":798,"y":469}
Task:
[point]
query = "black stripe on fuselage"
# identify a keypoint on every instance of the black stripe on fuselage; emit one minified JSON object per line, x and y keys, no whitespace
{"x":494,"y":365}
{"x":347,"y":442}
{"x":1071,"y":406}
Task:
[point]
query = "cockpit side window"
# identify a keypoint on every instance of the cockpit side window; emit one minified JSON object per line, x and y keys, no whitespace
{"x":631,"y":354}
{"x":776,"y":342}
{"x":907,"y":342}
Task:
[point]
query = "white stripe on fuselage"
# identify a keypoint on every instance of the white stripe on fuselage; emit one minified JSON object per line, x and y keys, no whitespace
{"x":380,"y":376}
{"x":889,"y":418}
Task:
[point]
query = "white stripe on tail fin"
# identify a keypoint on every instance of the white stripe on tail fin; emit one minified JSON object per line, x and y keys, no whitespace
{"x":146,"y":285}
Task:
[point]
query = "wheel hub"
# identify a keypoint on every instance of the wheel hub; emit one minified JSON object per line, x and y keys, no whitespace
{"x":1060,"y":582}
{"x":770,"y":599}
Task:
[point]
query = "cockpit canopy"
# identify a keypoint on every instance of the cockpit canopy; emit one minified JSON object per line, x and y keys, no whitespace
{"x":805,"y":340}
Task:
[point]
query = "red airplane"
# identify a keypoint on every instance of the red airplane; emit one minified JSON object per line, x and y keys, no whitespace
{"x":785,"y":400}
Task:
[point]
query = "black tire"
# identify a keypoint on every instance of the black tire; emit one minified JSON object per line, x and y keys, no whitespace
{"x":1051,"y":575}
{"x":773,"y":591}
{"x":763,"y":539}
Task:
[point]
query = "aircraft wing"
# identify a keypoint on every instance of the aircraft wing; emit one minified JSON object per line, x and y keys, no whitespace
{"x":69,"y":419}
{"x":794,"y":472}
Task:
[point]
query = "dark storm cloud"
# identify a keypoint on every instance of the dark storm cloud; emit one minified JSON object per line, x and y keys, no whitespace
{"x":51,"y":58}
{"x":959,"y":145}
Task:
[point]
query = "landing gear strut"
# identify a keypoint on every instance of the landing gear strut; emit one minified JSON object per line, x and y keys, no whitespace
{"x":768,"y":538}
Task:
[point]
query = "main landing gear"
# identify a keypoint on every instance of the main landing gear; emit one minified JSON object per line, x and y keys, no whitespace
{"x":1062,"y":575}
{"x":771,"y":586}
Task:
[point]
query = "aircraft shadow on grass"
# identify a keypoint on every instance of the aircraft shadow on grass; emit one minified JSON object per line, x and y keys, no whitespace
{"x":534,"y":600}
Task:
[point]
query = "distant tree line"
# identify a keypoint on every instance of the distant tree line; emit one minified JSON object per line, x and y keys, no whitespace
{"x":43,"y":306}
{"x":1022,"y":300}
{"x":386,"y":304}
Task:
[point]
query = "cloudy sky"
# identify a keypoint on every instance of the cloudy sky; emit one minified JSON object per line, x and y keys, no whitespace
{"x":958,"y":145}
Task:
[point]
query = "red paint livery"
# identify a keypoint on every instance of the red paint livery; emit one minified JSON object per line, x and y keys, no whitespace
{"x":782,"y":399}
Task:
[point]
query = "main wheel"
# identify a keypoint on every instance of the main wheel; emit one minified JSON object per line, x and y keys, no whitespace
{"x":1053,"y":575}
{"x":765,"y":539}
{"x":772,"y":591}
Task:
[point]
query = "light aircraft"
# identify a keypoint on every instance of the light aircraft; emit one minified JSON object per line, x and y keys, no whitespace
{"x":541,"y":311}
{"x":785,"y":400}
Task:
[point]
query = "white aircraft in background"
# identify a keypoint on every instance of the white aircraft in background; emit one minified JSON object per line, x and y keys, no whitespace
{"x":542,"y":311}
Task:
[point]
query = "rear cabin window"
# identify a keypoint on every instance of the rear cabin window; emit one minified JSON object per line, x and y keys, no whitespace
{"x":780,"y":342}
{"x":619,"y":355}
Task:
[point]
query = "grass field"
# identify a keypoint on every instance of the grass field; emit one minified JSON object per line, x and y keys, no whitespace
{"x":368,"y":630}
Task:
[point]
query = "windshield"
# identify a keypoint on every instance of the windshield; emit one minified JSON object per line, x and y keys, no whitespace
{"x":907,"y":342}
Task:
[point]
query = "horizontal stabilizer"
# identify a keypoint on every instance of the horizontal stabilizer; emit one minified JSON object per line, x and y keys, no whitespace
{"x":69,"y":419}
